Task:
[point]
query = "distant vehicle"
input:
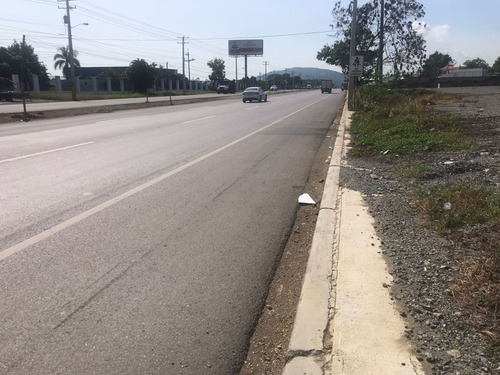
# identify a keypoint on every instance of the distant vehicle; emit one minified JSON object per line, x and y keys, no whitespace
{"x":273,"y":88}
{"x":326,"y":86}
{"x":309,"y":87}
{"x":226,"y":87}
{"x":222,"y":89}
{"x":9,"y":96}
{"x":254,"y":93}
{"x":344,"y":86}
{"x":7,"y":91}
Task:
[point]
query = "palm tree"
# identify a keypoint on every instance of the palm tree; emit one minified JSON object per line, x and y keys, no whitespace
{"x":62,"y":60}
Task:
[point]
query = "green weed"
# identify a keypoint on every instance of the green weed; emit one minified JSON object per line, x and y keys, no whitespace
{"x":412,"y":172}
{"x":450,"y":208}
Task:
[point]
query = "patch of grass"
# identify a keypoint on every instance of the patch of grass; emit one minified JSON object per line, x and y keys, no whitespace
{"x":494,"y":347}
{"x":398,"y":122}
{"x":66,"y":96}
{"x":477,"y":289}
{"x":413,"y":172}
{"x":451,"y":208}
{"x":406,"y":135}
{"x":437,"y":97}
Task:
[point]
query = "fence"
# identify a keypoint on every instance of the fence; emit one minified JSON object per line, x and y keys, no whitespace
{"x":95,"y":85}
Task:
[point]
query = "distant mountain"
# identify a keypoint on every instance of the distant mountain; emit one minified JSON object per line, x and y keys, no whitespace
{"x":313,"y":73}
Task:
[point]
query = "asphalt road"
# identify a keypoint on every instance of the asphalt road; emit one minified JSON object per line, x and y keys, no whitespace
{"x":143,"y":242}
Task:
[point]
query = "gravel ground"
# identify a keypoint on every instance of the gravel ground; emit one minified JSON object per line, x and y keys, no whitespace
{"x":448,"y":338}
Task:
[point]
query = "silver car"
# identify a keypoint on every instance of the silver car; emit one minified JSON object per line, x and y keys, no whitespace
{"x":254,"y":93}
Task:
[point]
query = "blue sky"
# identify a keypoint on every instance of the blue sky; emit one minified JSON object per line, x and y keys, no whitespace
{"x":293,"y":31}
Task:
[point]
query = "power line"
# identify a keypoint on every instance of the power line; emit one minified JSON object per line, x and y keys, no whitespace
{"x":265,"y":36}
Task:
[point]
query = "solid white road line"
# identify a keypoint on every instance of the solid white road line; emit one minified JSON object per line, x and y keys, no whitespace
{"x":45,"y":152}
{"x":76,"y":219}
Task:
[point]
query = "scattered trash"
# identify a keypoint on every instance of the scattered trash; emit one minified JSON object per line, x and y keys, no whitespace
{"x":306,"y":199}
{"x":447,"y":206}
{"x":386,"y":152}
{"x":330,"y":148}
{"x":374,"y":176}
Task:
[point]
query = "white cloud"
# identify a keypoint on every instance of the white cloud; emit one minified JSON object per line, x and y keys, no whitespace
{"x":437,"y":34}
{"x":459,"y":47}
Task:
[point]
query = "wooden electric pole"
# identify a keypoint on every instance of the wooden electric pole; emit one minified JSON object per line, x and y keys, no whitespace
{"x":352,"y":53}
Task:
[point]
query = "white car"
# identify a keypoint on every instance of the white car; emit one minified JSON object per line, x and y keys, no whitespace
{"x":254,"y":93}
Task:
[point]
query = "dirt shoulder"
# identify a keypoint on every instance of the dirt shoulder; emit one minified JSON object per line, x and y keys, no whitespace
{"x":269,"y":343}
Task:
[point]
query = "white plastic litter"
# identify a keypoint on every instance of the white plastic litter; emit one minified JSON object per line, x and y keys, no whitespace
{"x":306,"y":199}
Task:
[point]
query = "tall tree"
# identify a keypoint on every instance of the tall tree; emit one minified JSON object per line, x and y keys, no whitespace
{"x":218,"y":67}
{"x":496,"y":65}
{"x":404,"y":46}
{"x":336,"y":54}
{"x":476,"y":63}
{"x":141,"y":75}
{"x":434,"y":63}
{"x":11,"y":59}
{"x":62,"y":60}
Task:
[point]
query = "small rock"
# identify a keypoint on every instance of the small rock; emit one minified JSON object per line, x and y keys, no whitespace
{"x":454,"y":353}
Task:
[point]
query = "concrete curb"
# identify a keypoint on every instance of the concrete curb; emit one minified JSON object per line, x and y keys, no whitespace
{"x":308,"y":347}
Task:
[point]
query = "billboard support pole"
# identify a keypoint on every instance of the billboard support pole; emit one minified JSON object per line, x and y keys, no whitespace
{"x":246,"y":60}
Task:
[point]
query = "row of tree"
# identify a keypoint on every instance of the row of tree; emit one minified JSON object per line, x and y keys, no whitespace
{"x":218,"y":74}
{"x":388,"y":34}
{"x":20,"y":58}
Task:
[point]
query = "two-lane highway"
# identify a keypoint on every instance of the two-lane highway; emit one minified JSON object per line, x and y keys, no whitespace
{"x":144,"y":241}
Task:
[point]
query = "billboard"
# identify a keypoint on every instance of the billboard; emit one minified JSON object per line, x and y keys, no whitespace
{"x":253,"y":47}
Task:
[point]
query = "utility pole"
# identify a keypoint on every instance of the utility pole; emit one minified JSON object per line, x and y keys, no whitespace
{"x":23,"y":62}
{"x":183,"y":64}
{"x":351,"y":85}
{"x":380,"y":62}
{"x":67,"y":21}
{"x":189,"y":65}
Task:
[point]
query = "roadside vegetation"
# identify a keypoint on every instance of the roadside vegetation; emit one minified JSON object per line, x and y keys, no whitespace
{"x":398,"y":123}
{"x":399,"y":128}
